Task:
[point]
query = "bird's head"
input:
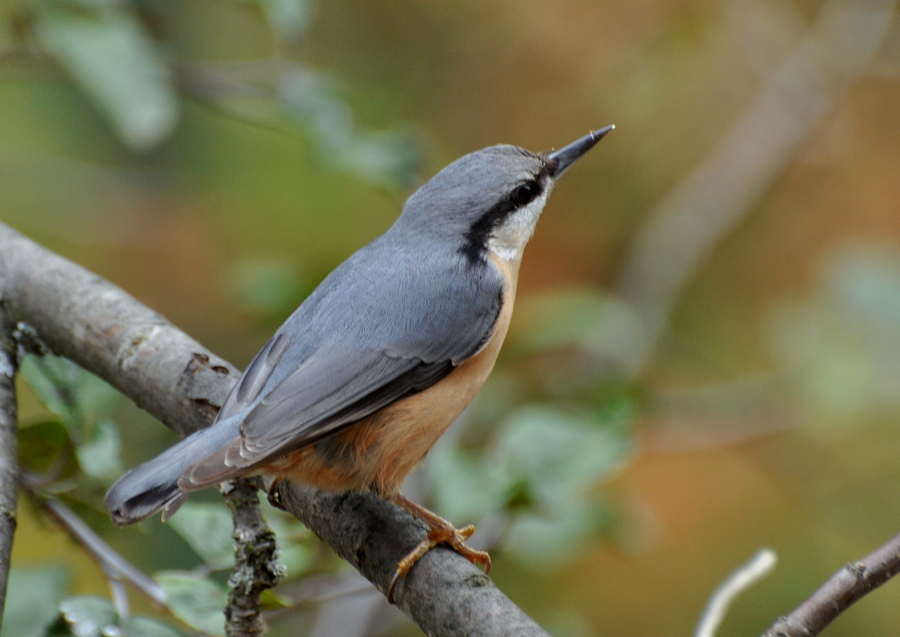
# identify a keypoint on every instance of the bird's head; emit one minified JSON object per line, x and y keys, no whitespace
{"x":489,"y":201}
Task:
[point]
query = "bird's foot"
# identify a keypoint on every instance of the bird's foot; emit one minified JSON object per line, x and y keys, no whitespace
{"x":440,"y":531}
{"x":274,"y":496}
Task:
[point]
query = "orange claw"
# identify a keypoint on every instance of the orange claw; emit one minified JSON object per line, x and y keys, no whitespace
{"x":440,"y":531}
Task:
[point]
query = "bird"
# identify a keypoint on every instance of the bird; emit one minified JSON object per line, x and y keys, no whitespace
{"x":352,"y":391}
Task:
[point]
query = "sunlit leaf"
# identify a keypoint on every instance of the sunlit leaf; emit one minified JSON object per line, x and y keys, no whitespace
{"x":207,"y":527}
{"x":197,"y":601}
{"x":32,"y":598}
{"x":90,"y":617}
{"x":99,"y":456}
{"x":112,"y":57}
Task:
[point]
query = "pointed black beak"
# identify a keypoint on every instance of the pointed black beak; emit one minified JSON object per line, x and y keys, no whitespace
{"x":566,"y":156}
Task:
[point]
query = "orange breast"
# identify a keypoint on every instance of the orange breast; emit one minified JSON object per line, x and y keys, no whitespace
{"x":378,"y":452}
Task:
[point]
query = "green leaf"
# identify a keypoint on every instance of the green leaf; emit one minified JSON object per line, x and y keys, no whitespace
{"x":95,"y":398}
{"x":53,"y":380}
{"x":74,"y":394}
{"x":90,"y":617}
{"x":388,"y":158}
{"x":557,"y":454}
{"x":288,"y":17}
{"x":841,"y":346}
{"x":42,"y":446}
{"x":32,"y":597}
{"x":586,"y":319}
{"x":114,"y":60}
{"x":554,"y":533}
{"x":207,"y":527}
{"x":196,"y":601}
{"x":462,"y":486}
{"x":100,"y":457}
{"x":146,"y":627}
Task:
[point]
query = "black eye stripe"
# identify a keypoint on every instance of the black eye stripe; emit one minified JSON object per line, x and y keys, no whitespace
{"x":520,"y":196}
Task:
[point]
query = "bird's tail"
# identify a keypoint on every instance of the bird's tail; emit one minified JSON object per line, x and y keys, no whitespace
{"x":154,"y":485}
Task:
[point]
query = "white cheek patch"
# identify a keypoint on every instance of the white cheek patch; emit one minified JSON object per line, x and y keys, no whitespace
{"x":509,"y":238}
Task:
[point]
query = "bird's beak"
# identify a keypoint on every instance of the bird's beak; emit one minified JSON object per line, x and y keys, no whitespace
{"x":566,"y":156}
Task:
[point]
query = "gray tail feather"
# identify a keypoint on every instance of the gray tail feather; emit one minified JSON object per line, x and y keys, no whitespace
{"x":145,"y":490}
{"x":154,"y":485}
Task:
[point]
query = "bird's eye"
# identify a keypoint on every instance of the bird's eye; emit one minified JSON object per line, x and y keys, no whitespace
{"x":524,"y":194}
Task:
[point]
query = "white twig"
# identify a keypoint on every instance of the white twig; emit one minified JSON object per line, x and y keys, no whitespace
{"x":743,"y":578}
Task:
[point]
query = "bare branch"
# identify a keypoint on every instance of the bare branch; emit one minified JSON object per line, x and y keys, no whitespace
{"x":845,"y":587}
{"x":746,"y":576}
{"x":9,"y":461}
{"x":103,"y":329}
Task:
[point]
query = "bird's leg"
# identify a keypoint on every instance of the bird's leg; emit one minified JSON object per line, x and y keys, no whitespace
{"x":440,"y":531}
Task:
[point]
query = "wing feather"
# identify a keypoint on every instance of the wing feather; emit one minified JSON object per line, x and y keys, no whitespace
{"x":351,"y":349}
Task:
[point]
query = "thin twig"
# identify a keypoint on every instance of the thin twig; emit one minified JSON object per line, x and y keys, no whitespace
{"x":116,"y":567}
{"x":746,"y":576}
{"x":9,"y":462}
{"x":256,"y":561}
{"x":844,"y":588}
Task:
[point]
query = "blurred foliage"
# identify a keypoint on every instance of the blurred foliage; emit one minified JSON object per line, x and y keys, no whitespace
{"x":78,"y":616}
{"x":79,"y":450}
{"x":841,"y":346}
{"x":110,"y":52}
{"x":196,"y":600}
{"x":77,"y":458}
{"x":217,"y":158}
{"x":24,"y":618}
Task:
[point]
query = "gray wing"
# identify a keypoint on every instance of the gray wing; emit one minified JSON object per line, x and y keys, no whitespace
{"x":351,"y":349}
{"x":328,"y":390}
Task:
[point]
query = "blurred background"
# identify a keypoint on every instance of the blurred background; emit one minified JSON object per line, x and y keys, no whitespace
{"x":705,"y":353}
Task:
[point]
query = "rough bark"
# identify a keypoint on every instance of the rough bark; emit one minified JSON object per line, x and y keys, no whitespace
{"x":256,"y":563}
{"x":9,"y":461}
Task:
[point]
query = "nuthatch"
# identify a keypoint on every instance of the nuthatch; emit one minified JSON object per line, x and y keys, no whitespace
{"x":358,"y":384}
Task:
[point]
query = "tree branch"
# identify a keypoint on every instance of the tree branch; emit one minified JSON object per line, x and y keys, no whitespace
{"x":845,"y":587}
{"x":106,"y":331}
{"x":9,"y":461}
{"x":256,"y":563}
